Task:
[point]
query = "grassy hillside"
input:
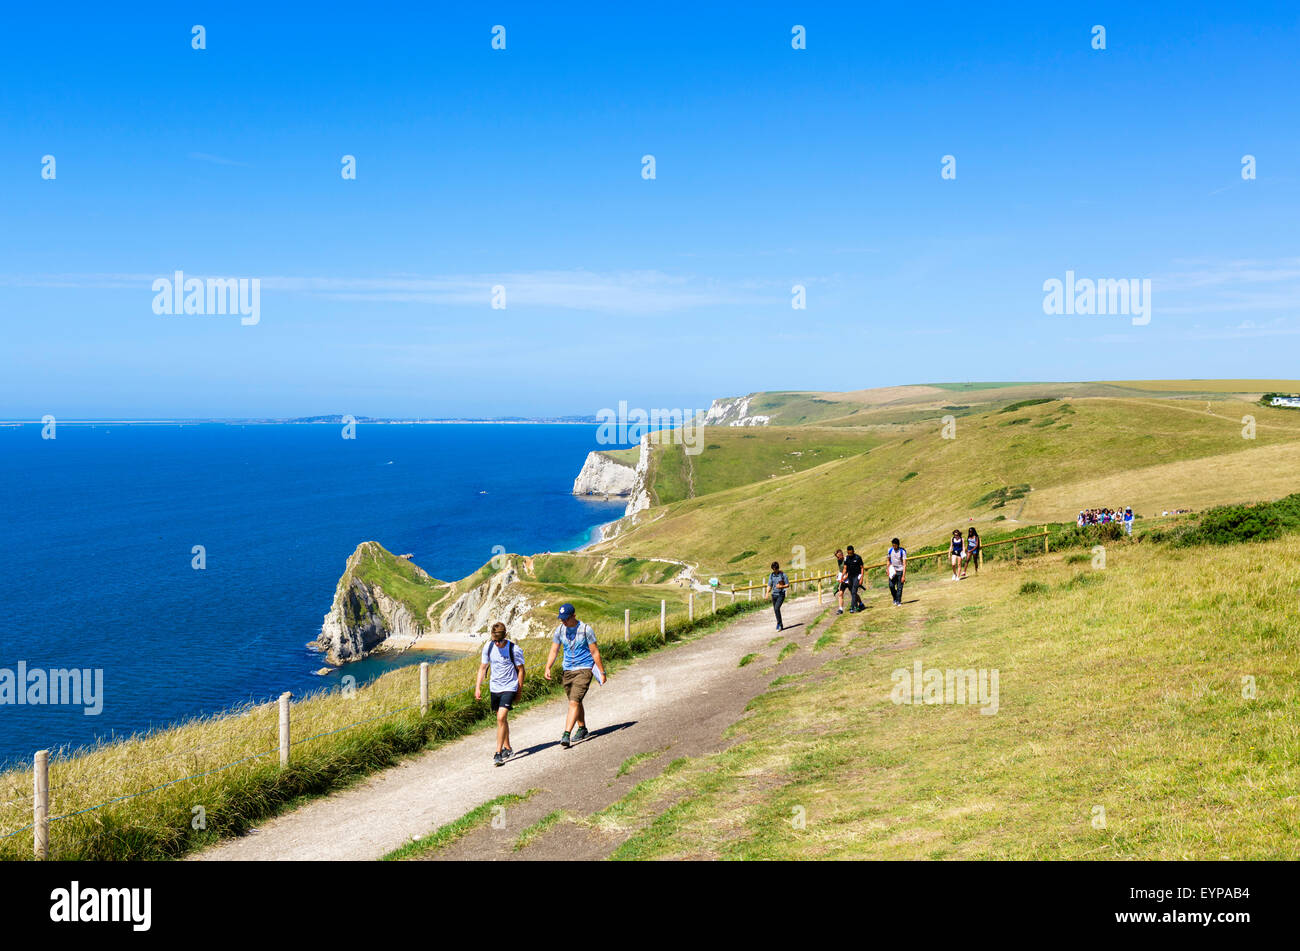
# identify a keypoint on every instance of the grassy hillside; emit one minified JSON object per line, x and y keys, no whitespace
{"x":1033,"y":460}
{"x":1122,"y":691}
{"x":734,"y":456}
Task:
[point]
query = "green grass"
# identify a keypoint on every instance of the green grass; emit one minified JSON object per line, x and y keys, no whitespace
{"x":786,"y":651}
{"x":748,"y":659}
{"x":538,"y":829}
{"x":636,"y":759}
{"x":825,"y":641}
{"x":1126,"y":693}
{"x":476,"y":818}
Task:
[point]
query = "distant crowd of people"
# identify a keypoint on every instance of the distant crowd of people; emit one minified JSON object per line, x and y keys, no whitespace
{"x":963,"y":553}
{"x":1106,"y":516}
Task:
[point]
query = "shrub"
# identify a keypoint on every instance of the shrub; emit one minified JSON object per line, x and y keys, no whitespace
{"x":1034,"y":587}
{"x":1227,"y":524}
{"x":1023,"y":403}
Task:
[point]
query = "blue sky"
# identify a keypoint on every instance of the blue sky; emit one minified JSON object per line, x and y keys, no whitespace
{"x":522,"y":167}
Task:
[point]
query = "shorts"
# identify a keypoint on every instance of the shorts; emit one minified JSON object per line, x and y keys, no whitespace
{"x":844,"y":586}
{"x":505,"y":699}
{"x":576,"y":683}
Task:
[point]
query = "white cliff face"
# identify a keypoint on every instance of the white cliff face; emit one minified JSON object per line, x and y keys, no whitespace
{"x":733,"y":412}
{"x":640,"y":493}
{"x":604,"y":476}
{"x":497,"y":599}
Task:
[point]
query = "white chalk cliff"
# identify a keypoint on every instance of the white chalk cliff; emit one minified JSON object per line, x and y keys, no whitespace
{"x":733,"y":411}
{"x":603,"y":475}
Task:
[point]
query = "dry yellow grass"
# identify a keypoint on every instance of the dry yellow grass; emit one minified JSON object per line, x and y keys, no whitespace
{"x":1127,"y":726}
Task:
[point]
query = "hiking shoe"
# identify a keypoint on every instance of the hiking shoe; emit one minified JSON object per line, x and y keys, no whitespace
{"x":497,"y":759}
{"x":840,"y":611}
{"x":579,"y":733}
{"x":564,"y":739}
{"x":506,"y":753}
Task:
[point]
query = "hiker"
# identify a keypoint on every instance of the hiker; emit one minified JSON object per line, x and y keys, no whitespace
{"x":853,"y":575}
{"x":972,"y":550}
{"x":896,"y":568}
{"x":581,"y":662}
{"x":1128,"y":520}
{"x":840,"y":583}
{"x":777,"y":582}
{"x":955,"y":553}
{"x":506,"y":659}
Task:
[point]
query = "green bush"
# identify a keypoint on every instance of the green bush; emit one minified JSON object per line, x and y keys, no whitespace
{"x":1228,"y":524}
{"x":1034,"y":587}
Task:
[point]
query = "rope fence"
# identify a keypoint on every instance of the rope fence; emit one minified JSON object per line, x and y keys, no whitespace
{"x":41,"y":798}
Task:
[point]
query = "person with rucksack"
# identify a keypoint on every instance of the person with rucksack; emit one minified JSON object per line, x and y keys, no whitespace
{"x":896,"y":568}
{"x":853,"y":566}
{"x":581,"y":663}
{"x":505,"y":658}
{"x":777,"y":583}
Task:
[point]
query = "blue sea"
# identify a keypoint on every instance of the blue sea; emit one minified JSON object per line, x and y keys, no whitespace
{"x":99,"y":525}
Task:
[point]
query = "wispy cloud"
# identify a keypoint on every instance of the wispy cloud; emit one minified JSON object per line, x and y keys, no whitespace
{"x":1237,"y":286}
{"x":621,"y":292}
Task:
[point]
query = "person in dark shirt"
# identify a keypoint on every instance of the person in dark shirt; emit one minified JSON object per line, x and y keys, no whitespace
{"x":853,"y":574}
{"x":776,"y":585}
{"x":840,"y":583}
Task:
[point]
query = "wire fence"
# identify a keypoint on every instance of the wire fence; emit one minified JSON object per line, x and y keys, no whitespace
{"x":41,"y":797}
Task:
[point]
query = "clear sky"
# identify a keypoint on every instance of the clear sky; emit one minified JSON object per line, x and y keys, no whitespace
{"x":523,"y":167}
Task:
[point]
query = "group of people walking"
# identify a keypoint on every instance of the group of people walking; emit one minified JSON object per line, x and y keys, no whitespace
{"x":1106,"y":516}
{"x":851,"y":573}
{"x":505,"y":660}
{"x":502,"y":660}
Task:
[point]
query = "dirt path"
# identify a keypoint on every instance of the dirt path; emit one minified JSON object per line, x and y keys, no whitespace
{"x":679,"y":699}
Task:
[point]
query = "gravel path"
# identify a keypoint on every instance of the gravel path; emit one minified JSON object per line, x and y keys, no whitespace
{"x":680,"y":698}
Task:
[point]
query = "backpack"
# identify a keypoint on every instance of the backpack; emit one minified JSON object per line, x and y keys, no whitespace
{"x":507,"y":650}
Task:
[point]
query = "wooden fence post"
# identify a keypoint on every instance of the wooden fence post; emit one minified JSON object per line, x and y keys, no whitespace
{"x":663,"y":617}
{"x":284,"y":728}
{"x":1047,"y":541}
{"x":627,"y":623}
{"x":749,"y":591}
{"x":690,"y":606}
{"x":714,"y":592}
{"x":424,"y":687}
{"x":41,"y":805}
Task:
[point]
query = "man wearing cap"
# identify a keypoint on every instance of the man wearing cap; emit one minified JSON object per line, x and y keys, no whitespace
{"x":581,"y":657}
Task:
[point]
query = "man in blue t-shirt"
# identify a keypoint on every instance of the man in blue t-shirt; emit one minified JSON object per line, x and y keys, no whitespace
{"x":506,"y":661}
{"x":581,"y":659}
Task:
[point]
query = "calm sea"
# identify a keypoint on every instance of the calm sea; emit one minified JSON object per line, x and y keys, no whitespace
{"x":99,"y":525}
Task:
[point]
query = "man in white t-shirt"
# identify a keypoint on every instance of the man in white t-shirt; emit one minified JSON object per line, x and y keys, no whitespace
{"x":506,"y":660}
{"x":896,"y":568}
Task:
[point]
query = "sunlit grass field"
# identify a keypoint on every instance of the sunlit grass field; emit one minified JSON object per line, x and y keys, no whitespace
{"x":1149,"y":709}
